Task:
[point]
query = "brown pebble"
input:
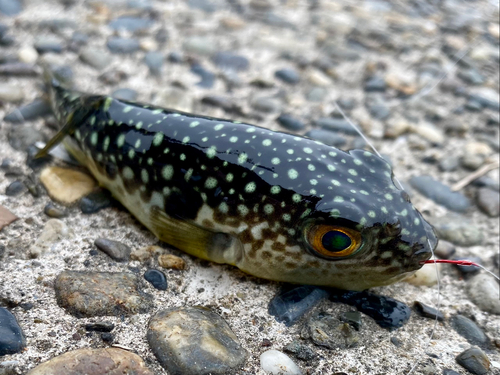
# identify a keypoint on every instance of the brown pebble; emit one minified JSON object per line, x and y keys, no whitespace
{"x":6,"y":217}
{"x":171,"y":261}
{"x":66,"y":185}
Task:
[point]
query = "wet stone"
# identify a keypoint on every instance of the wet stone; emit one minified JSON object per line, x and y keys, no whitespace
{"x":66,"y":185}
{"x":10,"y":7}
{"x":100,"y":327}
{"x":327,"y":137}
{"x":87,"y":294}
{"x":291,"y":123}
{"x":122,"y":46}
{"x":154,"y":61}
{"x":277,"y":363}
{"x":485,"y":181}
{"x":469,"y":330}
{"x":326,"y":330}
{"x":300,"y":350}
{"x":36,"y":163}
{"x":12,"y":339}
{"x":124,"y":94}
{"x":440,"y":193}
{"x":102,"y":361}
{"x":95,"y":57}
{"x":291,"y":303}
{"x":335,"y":124}
{"x":483,"y":291}
{"x":96,"y":201}
{"x":474,"y":360}
{"x":488,"y":201}
{"x":47,"y":44}
{"x":36,"y":109}
{"x":132,"y":24}
{"x":175,"y":57}
{"x":458,"y":230}
{"x":290,"y":76}
{"x":231,"y":61}
{"x":427,"y":311}
{"x":15,"y":188}
{"x":219,"y":101}
{"x":194,"y":341}
{"x":156,"y":278}
{"x":353,"y":318}
{"x":22,"y":137}
{"x":116,"y":250}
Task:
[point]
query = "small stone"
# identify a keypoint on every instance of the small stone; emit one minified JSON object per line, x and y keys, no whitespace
{"x":174,"y":98}
{"x":125,"y":94}
{"x":396,"y":342}
{"x":96,"y":201}
{"x":102,"y":361}
{"x":10,"y":7}
{"x":488,"y":201}
{"x":375,"y":84}
{"x":483,"y":290}
{"x":290,"y":76}
{"x":154,"y":61}
{"x":472,"y":161}
{"x":266,"y":104}
{"x":95,"y":57}
{"x":316,"y":94}
{"x":10,"y":93}
{"x":444,"y":249}
{"x":36,"y":109}
{"x":327,"y":137}
{"x":291,"y":123}
{"x":471,"y":76}
{"x":53,"y":231}
{"x":65,"y":185}
{"x":15,"y":188}
{"x":207,"y":77}
{"x":318,"y":78}
{"x":194,"y":341}
{"x":175,"y":57}
{"x":427,"y":311}
{"x":458,"y":230}
{"x":449,"y":163}
{"x":424,"y":276}
{"x":162,"y":36}
{"x":116,"y":250}
{"x":12,"y":339}
{"x":326,"y":330}
{"x":469,"y":270}
{"x":27,"y":55}
{"x":300,"y":350}
{"x":469,"y":330}
{"x":122,"y":46}
{"x":231,"y":61}
{"x":440,"y":193}
{"x":142,"y":254}
{"x":219,"y":101}
{"x":156,"y":278}
{"x":335,"y":124}
{"x":53,"y":211}
{"x":6,"y":217}
{"x":22,"y":137}
{"x":277,"y":363}
{"x":113,"y":77}
{"x":99,"y":327}
{"x":199,"y":45}
{"x":132,"y":24}
{"x":171,"y":262}
{"x":353,"y":318}
{"x":474,"y":360}
{"x":379,"y":111}
{"x":87,"y":294}
{"x":47,"y":44}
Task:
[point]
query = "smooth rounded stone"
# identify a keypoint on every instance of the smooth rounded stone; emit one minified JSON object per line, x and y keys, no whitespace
{"x":194,"y":341}
{"x":484,"y":101}
{"x":102,"y":361}
{"x":379,"y":111}
{"x":100,"y":327}
{"x":472,"y":161}
{"x":375,"y":84}
{"x":207,"y":77}
{"x":51,"y":210}
{"x":22,"y":137}
{"x":156,"y":278}
{"x":327,"y":137}
{"x":485,"y":181}
{"x":131,"y":24}
{"x":12,"y":339}
{"x":448,"y":371}
{"x":290,"y":76}
{"x":473,"y":106}
{"x":335,"y":124}
{"x":115,"y":249}
{"x":449,"y":163}
{"x":483,"y":290}
{"x":469,"y":270}
{"x":36,"y":109}
{"x":175,"y":57}
{"x":66,"y":186}
{"x":469,"y":330}
{"x":425,"y":276}
{"x":219,"y":101}
{"x":170,"y":261}
{"x":291,"y":123}
{"x":429,"y":132}
{"x":444,"y":249}
{"x":266,"y":104}
{"x":124,"y":94}
{"x":122,"y":46}
{"x":458,"y":230}
{"x":27,"y":55}
{"x":396,"y":342}
{"x":316,"y":94}
{"x":204,"y":5}
{"x":427,"y":311}
{"x":300,"y":350}
{"x":471,"y":76}
{"x":47,"y":44}
{"x":199,"y":45}
{"x":324,"y":329}
{"x":440,"y":193}
{"x":474,"y":360}
{"x":154,"y":61}
{"x":96,"y":201}
{"x":277,"y":363}
{"x":142,"y":254}
{"x":88,"y":294}
{"x":95,"y":57}
{"x":174,"y":98}
{"x":231,"y":61}
{"x":488,"y":201}
{"x":6,"y":217}
{"x":53,"y":231}
{"x":10,"y":93}
{"x":15,"y":188}
{"x":291,"y":303}
{"x":10,"y":7}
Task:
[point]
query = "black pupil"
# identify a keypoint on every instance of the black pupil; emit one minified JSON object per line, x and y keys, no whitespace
{"x":336,"y":241}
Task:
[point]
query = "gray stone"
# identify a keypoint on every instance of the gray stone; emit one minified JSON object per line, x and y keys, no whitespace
{"x":95,"y":57}
{"x":12,"y":339}
{"x":300,"y":350}
{"x":444,"y":249}
{"x":458,"y":230}
{"x":472,"y":161}
{"x":291,"y":123}
{"x":199,"y":45}
{"x":21,"y":137}
{"x":483,"y":290}
{"x":316,"y":94}
{"x":10,"y":93}
{"x":488,"y":201}
{"x":125,"y":94}
{"x":122,"y":46}
{"x":471,"y":76}
{"x":194,"y":341}
{"x":37,"y":108}
{"x":325,"y":330}
{"x":116,"y":250}
{"x":231,"y":61}
{"x":327,"y":137}
{"x":449,"y":163}
{"x":48,"y":44}
{"x":15,"y":188}
{"x":266,"y":104}
{"x":474,"y":360}
{"x":375,"y":84}
{"x":469,"y":330}
{"x":290,"y":76}
{"x":335,"y":124}
{"x":154,"y":61}
{"x":131,"y":24}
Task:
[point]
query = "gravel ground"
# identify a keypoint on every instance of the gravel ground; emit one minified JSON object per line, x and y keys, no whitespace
{"x":382,"y":61}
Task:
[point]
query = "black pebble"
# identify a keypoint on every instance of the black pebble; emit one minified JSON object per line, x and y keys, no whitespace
{"x":427,"y":311}
{"x":100,"y":327}
{"x":291,"y":123}
{"x":469,"y":330}
{"x":52,"y":210}
{"x":107,"y":337}
{"x":96,"y":201}
{"x":15,"y":188}
{"x":156,"y":278}
{"x":11,"y":338}
{"x":288,"y":75}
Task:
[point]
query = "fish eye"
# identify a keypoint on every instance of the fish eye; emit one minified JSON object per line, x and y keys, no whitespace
{"x":334,"y":241}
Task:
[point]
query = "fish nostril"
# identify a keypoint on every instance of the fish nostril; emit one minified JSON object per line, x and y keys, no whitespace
{"x":393,"y":229}
{"x":405,"y":196}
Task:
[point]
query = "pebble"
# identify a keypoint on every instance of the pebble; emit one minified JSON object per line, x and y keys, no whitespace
{"x":231,"y":61}
{"x":12,"y":339}
{"x":291,"y":123}
{"x":290,"y":76}
{"x":142,"y":254}
{"x":175,"y":57}
{"x":115,"y":249}
{"x":327,"y":137}
{"x":207,"y":77}
{"x":469,"y":330}
{"x":472,"y":161}
{"x":277,"y":363}
{"x":101,"y":361}
{"x":335,"y":124}
{"x":15,"y":188}
{"x":485,"y":102}
{"x":47,"y":44}
{"x":171,"y":262}
{"x":219,"y":101}
{"x":194,"y":341}
{"x":300,"y":351}
{"x":132,"y":24}
{"x":174,"y":98}
{"x":425,"y":276}
{"x":19,"y":69}
{"x":154,"y":61}
{"x":6,"y":217}
{"x":27,"y":55}
{"x":353,"y":318}
{"x":11,"y":93}
{"x":156,"y":278}
{"x":266,"y":104}
{"x":483,"y":291}
{"x":488,"y":201}
{"x":375,"y":84}
{"x":125,"y":94}
{"x":471,"y":76}
{"x":88,"y":294}
{"x":429,"y":132}
{"x":469,"y":270}
{"x":316,"y":94}
{"x":95,"y":57}
{"x":326,"y":330}
{"x":440,"y":193}
{"x":291,"y":303}
{"x":53,"y":231}
{"x":10,"y":7}
{"x":379,"y":111}
{"x":96,"y":201}
{"x":204,"y":5}
{"x":458,"y":230}
{"x":36,"y":109}
{"x":427,"y":311}
{"x":474,"y":360}
{"x":100,"y":327}
{"x":444,"y":249}
{"x":448,"y":163}
{"x":122,"y":46}
{"x":22,"y":137}
{"x":66,"y":186}
{"x":199,"y":45}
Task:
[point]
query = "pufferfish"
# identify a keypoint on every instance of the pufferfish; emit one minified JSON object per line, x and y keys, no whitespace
{"x":276,"y":205}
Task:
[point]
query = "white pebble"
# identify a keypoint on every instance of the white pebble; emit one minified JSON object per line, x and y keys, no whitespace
{"x":277,"y":363}
{"x":483,"y":291}
{"x":424,"y":276}
{"x":27,"y":55}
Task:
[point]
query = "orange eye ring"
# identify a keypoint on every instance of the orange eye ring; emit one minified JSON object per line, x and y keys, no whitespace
{"x":334,"y":241}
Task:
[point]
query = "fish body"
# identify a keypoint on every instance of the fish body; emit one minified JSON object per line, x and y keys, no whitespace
{"x":275,"y":205}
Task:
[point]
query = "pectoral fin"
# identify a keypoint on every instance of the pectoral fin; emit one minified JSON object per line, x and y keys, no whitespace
{"x":201,"y":242}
